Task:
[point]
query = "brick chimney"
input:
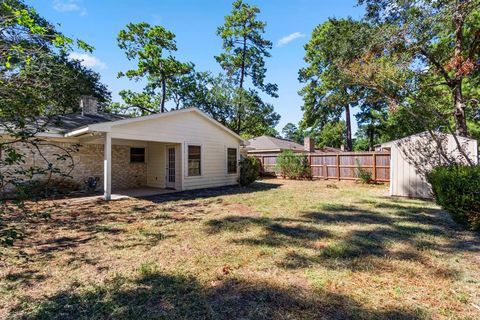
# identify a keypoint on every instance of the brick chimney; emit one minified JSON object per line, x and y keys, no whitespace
{"x":309,"y":144}
{"x":88,"y":105}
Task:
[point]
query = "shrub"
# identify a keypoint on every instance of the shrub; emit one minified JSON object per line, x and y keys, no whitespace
{"x":249,"y":170}
{"x":457,"y":189}
{"x":364,"y":175}
{"x":40,"y":189}
{"x":293,"y":166}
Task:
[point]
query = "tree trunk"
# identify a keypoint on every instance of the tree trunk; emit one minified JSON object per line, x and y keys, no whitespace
{"x":458,"y":103}
{"x":164,"y":90}
{"x":459,"y":113}
{"x":371,"y":139}
{"x":349,"y":128}
{"x":242,"y":79}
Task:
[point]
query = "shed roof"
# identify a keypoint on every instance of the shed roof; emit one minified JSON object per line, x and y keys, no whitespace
{"x":420,"y":134}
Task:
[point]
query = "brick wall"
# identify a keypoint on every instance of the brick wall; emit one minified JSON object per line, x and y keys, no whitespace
{"x":88,"y":161}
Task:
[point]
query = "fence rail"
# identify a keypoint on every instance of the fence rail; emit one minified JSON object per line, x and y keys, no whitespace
{"x":339,"y":166}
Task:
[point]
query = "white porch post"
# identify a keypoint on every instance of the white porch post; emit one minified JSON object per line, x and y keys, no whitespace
{"x":182,"y":163}
{"x":107,"y":167}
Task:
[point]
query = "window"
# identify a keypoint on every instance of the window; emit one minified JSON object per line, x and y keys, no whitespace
{"x":137,"y":155}
{"x":194,"y":160}
{"x":231,"y":160}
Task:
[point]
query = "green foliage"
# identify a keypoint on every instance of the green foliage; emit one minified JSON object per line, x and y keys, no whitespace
{"x":423,"y":58}
{"x":215,"y":95}
{"x":37,"y":78}
{"x":152,"y":48}
{"x":332,"y":135}
{"x":456,"y":189}
{"x":364,"y":175}
{"x":249,"y":170}
{"x":326,"y":94}
{"x":243,"y":57}
{"x":293,"y":166}
{"x":293,"y":133}
{"x":38,"y":81}
{"x":244,"y":47}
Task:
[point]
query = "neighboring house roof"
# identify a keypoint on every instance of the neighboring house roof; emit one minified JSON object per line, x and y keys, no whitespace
{"x":267,"y":143}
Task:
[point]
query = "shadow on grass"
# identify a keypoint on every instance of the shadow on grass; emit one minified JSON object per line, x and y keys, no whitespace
{"x":278,"y":232}
{"x":367,"y":233}
{"x":93,"y":220}
{"x":162,"y":296}
{"x":213,"y":192}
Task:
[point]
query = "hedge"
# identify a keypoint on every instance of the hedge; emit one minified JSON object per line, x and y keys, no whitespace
{"x":456,"y":189}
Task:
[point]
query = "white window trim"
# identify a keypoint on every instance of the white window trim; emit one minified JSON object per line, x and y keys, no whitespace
{"x":201,"y":160}
{"x":226,"y":160}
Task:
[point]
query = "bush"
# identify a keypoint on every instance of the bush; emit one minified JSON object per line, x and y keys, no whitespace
{"x":249,"y":170}
{"x":457,"y":189}
{"x":40,"y":189}
{"x":364,"y":175}
{"x":293,"y":166}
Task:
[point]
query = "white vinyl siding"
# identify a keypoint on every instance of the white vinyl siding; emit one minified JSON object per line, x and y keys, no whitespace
{"x":185,"y":129}
{"x":156,"y":165}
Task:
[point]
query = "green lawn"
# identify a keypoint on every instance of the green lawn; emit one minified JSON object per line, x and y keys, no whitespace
{"x":276,"y":250}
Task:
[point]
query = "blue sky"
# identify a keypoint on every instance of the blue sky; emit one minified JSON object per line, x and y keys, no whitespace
{"x":289,"y":25}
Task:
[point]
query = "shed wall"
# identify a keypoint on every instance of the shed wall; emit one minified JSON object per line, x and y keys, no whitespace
{"x":410,"y":162}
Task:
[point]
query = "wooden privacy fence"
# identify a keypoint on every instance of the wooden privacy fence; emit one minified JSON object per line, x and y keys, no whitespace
{"x":340,"y":166}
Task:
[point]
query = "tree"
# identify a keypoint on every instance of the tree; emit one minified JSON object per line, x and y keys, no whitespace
{"x":244,"y":53}
{"x":215,"y":96}
{"x":152,"y":47}
{"x":292,"y":132}
{"x":326,"y":96}
{"x":372,"y":122}
{"x":438,"y":43}
{"x":331,"y":135}
{"x":37,"y":82}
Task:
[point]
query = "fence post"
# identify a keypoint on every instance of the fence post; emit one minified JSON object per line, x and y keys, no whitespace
{"x":338,"y":167}
{"x":325,"y":168}
{"x":309,"y":159}
{"x":374,"y":167}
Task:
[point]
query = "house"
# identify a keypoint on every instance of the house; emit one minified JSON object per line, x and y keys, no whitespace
{"x":182,"y":150}
{"x":267,"y":145}
{"x":412,"y":157}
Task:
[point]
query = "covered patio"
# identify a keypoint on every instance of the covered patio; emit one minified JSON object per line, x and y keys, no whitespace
{"x":134,"y":166}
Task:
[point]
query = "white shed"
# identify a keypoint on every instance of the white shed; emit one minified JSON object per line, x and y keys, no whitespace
{"x":412,"y":157}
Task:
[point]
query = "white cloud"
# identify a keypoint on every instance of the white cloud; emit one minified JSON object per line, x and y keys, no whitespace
{"x":88,"y":60}
{"x":291,"y":37}
{"x":69,"y":6}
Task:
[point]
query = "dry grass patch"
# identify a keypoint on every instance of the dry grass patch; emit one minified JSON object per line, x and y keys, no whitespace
{"x":276,"y":250}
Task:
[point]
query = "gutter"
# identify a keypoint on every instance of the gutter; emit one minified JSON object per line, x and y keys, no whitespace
{"x":76,"y":132}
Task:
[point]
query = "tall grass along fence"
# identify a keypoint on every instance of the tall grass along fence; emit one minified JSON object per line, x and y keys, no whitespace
{"x":339,"y":166}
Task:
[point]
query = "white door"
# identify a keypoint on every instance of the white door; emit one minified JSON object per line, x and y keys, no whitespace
{"x":170,"y":168}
